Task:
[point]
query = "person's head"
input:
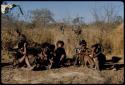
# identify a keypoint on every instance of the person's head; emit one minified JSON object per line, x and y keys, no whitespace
{"x":44,"y":49}
{"x":52,"y":47}
{"x":60,"y":43}
{"x":82,"y":43}
{"x":96,"y":47}
{"x":20,"y":45}
{"x":45,"y":46}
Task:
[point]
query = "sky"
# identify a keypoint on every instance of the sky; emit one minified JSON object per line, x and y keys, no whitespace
{"x":63,"y":9}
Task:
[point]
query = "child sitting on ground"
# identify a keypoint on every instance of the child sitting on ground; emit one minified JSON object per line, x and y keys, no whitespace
{"x":45,"y":57}
{"x":60,"y":54}
{"x":22,"y":58}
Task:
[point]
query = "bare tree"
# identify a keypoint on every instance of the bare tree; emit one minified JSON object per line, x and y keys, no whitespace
{"x":110,"y":13}
{"x":108,"y":16}
{"x":42,"y":16}
{"x":118,"y":20}
{"x":95,"y":15}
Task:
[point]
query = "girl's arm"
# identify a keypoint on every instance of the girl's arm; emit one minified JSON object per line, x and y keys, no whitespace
{"x":24,"y":49}
{"x":62,"y":56}
{"x":41,"y":55}
{"x":45,"y":55}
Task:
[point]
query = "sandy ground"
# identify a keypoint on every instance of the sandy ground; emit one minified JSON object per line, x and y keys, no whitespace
{"x":67,"y":75}
{"x":64,"y":75}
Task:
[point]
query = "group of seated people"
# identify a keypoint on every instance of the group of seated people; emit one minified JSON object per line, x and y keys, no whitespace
{"x":48,"y":56}
{"x":92,"y":56}
{"x":43,"y":57}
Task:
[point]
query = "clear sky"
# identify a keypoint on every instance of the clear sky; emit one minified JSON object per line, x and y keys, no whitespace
{"x":62,"y":9}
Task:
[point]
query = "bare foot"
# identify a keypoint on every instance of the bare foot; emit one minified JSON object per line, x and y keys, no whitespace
{"x":30,"y":67}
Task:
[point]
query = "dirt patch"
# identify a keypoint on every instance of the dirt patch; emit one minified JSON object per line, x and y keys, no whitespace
{"x":69,"y":75}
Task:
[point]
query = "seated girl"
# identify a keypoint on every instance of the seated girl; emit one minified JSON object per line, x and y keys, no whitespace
{"x":22,"y":57}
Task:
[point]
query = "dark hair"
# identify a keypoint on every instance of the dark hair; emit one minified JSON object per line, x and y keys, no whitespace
{"x":52,"y":47}
{"x":96,"y":45}
{"x":20,"y":45}
{"x":45,"y":44}
{"x":82,"y":42}
{"x":60,"y":42}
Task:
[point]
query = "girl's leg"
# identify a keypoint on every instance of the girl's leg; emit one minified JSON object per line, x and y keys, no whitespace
{"x":27,"y":62}
{"x":85,"y":61}
{"x":76,"y":60}
{"x":90,"y":61}
{"x":97,"y":64}
{"x":63,"y":62}
{"x":21,"y":59}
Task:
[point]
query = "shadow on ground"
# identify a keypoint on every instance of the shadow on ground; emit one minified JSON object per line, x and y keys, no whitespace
{"x":113,"y":63}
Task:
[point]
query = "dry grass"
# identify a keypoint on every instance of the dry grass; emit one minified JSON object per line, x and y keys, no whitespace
{"x":117,"y":39}
{"x":74,"y":75}
{"x":92,"y":34}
